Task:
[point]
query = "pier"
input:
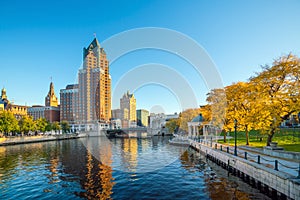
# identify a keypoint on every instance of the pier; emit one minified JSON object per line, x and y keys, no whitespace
{"x":276,"y":177}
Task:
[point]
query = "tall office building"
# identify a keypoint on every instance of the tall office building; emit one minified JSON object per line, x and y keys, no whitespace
{"x":94,"y":85}
{"x":128,"y":102}
{"x":69,"y":104}
{"x":142,"y":117}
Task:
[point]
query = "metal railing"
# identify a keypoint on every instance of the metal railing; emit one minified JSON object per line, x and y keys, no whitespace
{"x":249,"y":156}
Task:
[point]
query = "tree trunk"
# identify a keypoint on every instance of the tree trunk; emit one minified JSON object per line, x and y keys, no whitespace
{"x":224,"y":132}
{"x":247,"y":135}
{"x":270,"y":136}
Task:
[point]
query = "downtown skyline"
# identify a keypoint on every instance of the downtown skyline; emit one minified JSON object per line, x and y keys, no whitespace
{"x":43,"y":40}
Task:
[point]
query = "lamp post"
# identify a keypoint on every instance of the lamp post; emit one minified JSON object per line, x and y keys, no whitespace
{"x":235,"y":147}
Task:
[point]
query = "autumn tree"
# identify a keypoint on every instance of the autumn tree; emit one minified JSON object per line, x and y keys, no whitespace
{"x":173,"y":125}
{"x":187,"y":116}
{"x":278,"y":87}
{"x":217,"y":101}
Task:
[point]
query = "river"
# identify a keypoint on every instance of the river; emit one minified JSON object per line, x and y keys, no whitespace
{"x":128,"y":168}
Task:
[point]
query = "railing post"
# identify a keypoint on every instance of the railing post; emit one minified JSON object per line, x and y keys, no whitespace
{"x":299,"y":171}
{"x":276,"y":165}
{"x":245,"y":155}
{"x":258,"y":159}
{"x":221,"y":147}
{"x":227,"y":149}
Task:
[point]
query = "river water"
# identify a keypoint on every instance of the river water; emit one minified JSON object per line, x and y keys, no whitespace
{"x":98,"y":168}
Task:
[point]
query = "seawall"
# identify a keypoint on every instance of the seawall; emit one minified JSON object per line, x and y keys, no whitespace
{"x":277,"y":184}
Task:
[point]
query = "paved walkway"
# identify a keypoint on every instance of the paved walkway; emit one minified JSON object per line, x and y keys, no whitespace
{"x":32,"y":139}
{"x":288,"y":166}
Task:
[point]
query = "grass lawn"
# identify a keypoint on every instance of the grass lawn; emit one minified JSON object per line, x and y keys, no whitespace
{"x":289,"y":139}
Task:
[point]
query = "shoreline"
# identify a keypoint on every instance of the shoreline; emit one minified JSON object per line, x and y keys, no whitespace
{"x":35,"y":139}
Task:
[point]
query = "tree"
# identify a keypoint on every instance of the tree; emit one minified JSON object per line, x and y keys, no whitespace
{"x":8,"y":123}
{"x":65,"y":127}
{"x":217,"y":101}
{"x":279,"y":91}
{"x":186,"y":116}
{"x":41,"y":124}
{"x":173,"y":125}
{"x":242,"y":106}
{"x":27,"y":124}
{"x":55,"y":126}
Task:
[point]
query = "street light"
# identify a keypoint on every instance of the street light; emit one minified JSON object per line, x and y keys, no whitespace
{"x":235,"y":147}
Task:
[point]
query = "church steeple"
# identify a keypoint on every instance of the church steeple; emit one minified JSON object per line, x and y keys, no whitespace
{"x":51,"y":99}
{"x":3,"y":94}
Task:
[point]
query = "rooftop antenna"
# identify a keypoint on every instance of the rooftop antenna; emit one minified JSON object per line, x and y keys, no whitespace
{"x":51,"y":78}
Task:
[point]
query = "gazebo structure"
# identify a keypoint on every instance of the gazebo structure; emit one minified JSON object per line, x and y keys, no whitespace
{"x":199,"y":130}
{"x":194,"y":125}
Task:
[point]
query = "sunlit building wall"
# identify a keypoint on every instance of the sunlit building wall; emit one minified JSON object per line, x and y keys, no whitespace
{"x":142,"y":117}
{"x":94,"y":92}
{"x":128,"y":102}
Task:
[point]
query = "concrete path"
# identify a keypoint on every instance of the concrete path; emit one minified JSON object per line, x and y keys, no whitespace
{"x":290,"y":167}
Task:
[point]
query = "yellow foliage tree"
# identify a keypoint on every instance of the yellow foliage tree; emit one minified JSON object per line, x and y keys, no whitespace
{"x":279,"y":92}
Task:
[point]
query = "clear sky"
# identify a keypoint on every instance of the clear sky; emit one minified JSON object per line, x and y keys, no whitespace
{"x":43,"y":39}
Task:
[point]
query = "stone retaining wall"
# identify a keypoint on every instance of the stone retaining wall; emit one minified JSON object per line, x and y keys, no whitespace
{"x":279,"y":181}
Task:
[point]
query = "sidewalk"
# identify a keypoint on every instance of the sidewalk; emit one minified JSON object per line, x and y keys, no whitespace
{"x":288,"y":166}
{"x":32,"y":139}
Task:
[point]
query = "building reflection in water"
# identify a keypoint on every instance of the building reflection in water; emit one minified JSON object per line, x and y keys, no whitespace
{"x":98,"y":181}
{"x":130,"y":154}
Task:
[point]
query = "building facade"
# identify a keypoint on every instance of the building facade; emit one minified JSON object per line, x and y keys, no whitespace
{"x":116,"y":114}
{"x":94,"y":85}
{"x":18,"y":110}
{"x":142,"y":116}
{"x":69,"y":104}
{"x":51,"y":110}
{"x":128,"y":102}
{"x":36,"y":111}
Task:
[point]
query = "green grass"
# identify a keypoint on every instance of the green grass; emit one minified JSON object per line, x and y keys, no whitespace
{"x":289,"y":139}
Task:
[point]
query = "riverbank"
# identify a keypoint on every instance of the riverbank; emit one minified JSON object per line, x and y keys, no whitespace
{"x":6,"y":141}
{"x":277,"y":178}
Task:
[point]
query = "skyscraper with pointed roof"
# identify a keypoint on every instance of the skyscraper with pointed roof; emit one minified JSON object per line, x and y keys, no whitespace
{"x":94,"y":81}
{"x":128,"y":104}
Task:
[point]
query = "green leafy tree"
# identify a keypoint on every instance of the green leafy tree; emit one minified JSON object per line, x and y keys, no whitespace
{"x":26,"y":124}
{"x":8,"y":123}
{"x":41,"y":124}
{"x":65,"y":127}
{"x":56,"y":126}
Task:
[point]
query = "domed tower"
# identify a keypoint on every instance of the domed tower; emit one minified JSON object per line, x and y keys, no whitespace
{"x":51,"y":99}
{"x":3,"y":94}
{"x":4,"y":99}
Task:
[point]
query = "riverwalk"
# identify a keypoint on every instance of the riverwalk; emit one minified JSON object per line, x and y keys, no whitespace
{"x":5,"y":141}
{"x":277,"y":177}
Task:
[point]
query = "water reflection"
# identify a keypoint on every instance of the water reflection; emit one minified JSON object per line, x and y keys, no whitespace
{"x":129,"y":168}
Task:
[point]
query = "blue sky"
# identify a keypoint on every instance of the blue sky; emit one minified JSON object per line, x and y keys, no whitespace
{"x":43,"y":39}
